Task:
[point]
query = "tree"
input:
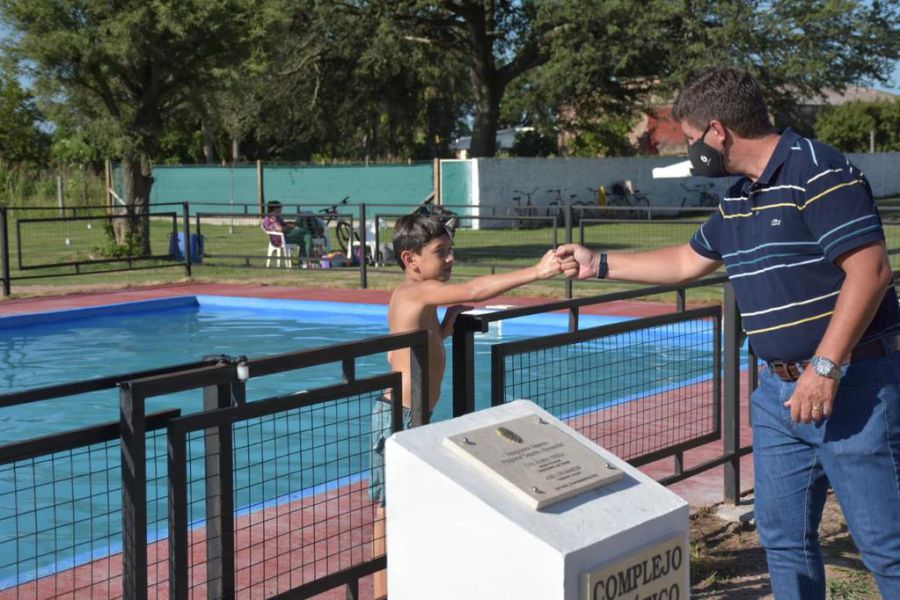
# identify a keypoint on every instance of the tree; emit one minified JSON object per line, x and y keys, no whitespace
{"x":21,"y":139}
{"x":795,"y":49}
{"x":849,"y":126}
{"x":497,"y":41}
{"x":134,"y":62}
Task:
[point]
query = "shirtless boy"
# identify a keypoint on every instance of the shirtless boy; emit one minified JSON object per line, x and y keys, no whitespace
{"x":424,"y":249}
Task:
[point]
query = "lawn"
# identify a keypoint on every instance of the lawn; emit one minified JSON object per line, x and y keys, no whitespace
{"x":235,"y":250}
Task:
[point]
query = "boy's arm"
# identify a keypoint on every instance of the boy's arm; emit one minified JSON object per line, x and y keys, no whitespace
{"x":436,"y":293}
{"x":450,"y":318}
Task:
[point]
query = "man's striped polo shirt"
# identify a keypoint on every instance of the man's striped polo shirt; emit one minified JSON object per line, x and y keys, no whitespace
{"x":779,"y":238}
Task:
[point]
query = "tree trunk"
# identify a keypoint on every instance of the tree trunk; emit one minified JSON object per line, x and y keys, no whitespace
{"x":235,"y":150}
{"x":136,"y":224}
{"x":487,"y":117}
{"x":209,"y":146}
{"x":486,"y":84}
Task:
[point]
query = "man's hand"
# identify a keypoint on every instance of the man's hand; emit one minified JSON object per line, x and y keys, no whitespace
{"x":813,"y":398}
{"x":578,"y":262}
{"x":450,"y":318}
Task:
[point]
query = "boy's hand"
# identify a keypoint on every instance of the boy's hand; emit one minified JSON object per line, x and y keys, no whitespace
{"x":549,"y":265}
{"x":450,"y":318}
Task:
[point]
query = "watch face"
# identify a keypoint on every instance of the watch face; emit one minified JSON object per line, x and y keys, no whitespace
{"x":826,"y":368}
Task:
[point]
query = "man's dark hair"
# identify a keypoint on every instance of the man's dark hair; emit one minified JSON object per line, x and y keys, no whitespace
{"x":726,"y":94}
{"x":412,"y":232}
{"x":273,"y":205}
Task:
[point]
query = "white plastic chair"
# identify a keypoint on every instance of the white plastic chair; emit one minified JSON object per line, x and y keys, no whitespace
{"x":370,"y":241}
{"x":285,"y":250}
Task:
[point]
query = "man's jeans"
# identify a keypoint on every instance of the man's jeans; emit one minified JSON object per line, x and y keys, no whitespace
{"x":856,"y":450}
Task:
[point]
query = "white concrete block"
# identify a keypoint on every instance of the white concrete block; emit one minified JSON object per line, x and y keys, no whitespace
{"x":454,"y":533}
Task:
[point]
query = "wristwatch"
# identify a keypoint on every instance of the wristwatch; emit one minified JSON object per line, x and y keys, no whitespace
{"x":826,"y":367}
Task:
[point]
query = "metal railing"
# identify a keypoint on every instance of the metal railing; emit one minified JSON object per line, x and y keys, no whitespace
{"x":222,"y":497}
{"x":516,"y":236}
{"x":644,"y":389}
{"x":467,"y":325}
{"x":41,"y":242}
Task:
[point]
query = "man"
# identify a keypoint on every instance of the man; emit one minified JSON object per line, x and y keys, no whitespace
{"x":803,"y":246}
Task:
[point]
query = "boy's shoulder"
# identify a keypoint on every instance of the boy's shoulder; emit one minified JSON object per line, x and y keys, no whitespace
{"x":411,"y":289}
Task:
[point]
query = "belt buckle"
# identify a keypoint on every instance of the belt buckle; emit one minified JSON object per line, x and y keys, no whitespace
{"x":786,"y":371}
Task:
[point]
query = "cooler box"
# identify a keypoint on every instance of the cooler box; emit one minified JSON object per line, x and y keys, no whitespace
{"x":176,"y":247}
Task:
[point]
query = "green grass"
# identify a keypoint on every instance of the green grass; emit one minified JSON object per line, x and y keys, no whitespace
{"x":233,"y":245}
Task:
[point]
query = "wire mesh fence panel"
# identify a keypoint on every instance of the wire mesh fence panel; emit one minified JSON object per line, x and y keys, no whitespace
{"x":48,"y":242}
{"x":61,"y":526}
{"x":303,"y":511}
{"x":157,"y":514}
{"x":638,"y":391}
{"x":632,"y":236}
{"x":61,"y":518}
{"x":240,"y":240}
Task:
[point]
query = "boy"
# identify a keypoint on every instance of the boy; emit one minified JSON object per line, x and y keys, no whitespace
{"x":423,"y":247}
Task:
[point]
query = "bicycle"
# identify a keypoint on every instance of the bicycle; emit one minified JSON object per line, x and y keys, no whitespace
{"x":450,"y":218}
{"x":526,"y":210}
{"x":555,"y":205}
{"x":343,"y":230}
{"x":622,"y":193}
{"x":702,"y":192}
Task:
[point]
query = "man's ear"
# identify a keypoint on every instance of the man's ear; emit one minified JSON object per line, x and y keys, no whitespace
{"x":719,"y":130}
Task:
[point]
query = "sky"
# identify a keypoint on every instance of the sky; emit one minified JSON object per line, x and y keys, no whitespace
{"x":894,"y":85}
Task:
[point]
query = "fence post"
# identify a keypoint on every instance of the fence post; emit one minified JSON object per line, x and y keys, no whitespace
{"x":134,"y":493}
{"x":463,"y":366}
{"x":4,"y":231}
{"x":420,"y":383}
{"x":732,"y":397}
{"x":187,"y":238}
{"x":567,"y":207}
{"x":260,"y":187}
{"x":219,"y":498}
{"x":363,"y":261}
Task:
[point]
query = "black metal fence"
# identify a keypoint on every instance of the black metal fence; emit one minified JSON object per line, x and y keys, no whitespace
{"x":643,"y":389}
{"x":245,"y":498}
{"x":563,"y":373}
{"x":350,"y":239}
{"x":41,"y":242}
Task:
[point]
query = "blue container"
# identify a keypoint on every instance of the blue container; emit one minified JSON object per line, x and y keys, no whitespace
{"x":176,"y":247}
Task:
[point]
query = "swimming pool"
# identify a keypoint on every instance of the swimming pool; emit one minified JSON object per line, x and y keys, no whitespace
{"x":38,"y":350}
{"x":54,"y":348}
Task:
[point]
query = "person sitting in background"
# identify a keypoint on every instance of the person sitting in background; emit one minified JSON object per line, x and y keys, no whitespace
{"x":294,"y":233}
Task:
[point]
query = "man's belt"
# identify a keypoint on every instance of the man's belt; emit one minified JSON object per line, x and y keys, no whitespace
{"x":791,"y":370}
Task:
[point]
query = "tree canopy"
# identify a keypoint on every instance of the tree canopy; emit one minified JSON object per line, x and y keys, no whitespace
{"x":355,"y":80}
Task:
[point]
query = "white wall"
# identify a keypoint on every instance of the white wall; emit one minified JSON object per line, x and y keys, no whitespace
{"x":498,"y":180}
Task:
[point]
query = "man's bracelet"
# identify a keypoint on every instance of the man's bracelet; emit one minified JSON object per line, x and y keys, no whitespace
{"x":603,"y":272}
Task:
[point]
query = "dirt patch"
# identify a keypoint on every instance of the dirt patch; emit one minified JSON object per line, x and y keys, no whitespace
{"x":728,"y":562}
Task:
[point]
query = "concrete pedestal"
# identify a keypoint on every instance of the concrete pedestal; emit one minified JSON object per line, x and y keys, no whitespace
{"x":454,"y":533}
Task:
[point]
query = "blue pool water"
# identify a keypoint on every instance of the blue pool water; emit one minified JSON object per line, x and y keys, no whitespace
{"x":78,"y":344}
{"x":48,"y":349}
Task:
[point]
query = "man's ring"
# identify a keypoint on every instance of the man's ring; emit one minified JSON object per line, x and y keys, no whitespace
{"x":818,"y":407}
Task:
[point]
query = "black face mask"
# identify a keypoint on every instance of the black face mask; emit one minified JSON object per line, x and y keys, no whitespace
{"x":706,"y":161}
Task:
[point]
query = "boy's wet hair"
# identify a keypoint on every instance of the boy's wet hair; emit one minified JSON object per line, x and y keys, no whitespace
{"x":412,"y":232}
{"x":273,"y":205}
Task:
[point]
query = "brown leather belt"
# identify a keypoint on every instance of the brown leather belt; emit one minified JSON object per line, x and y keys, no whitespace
{"x":791,"y":370}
